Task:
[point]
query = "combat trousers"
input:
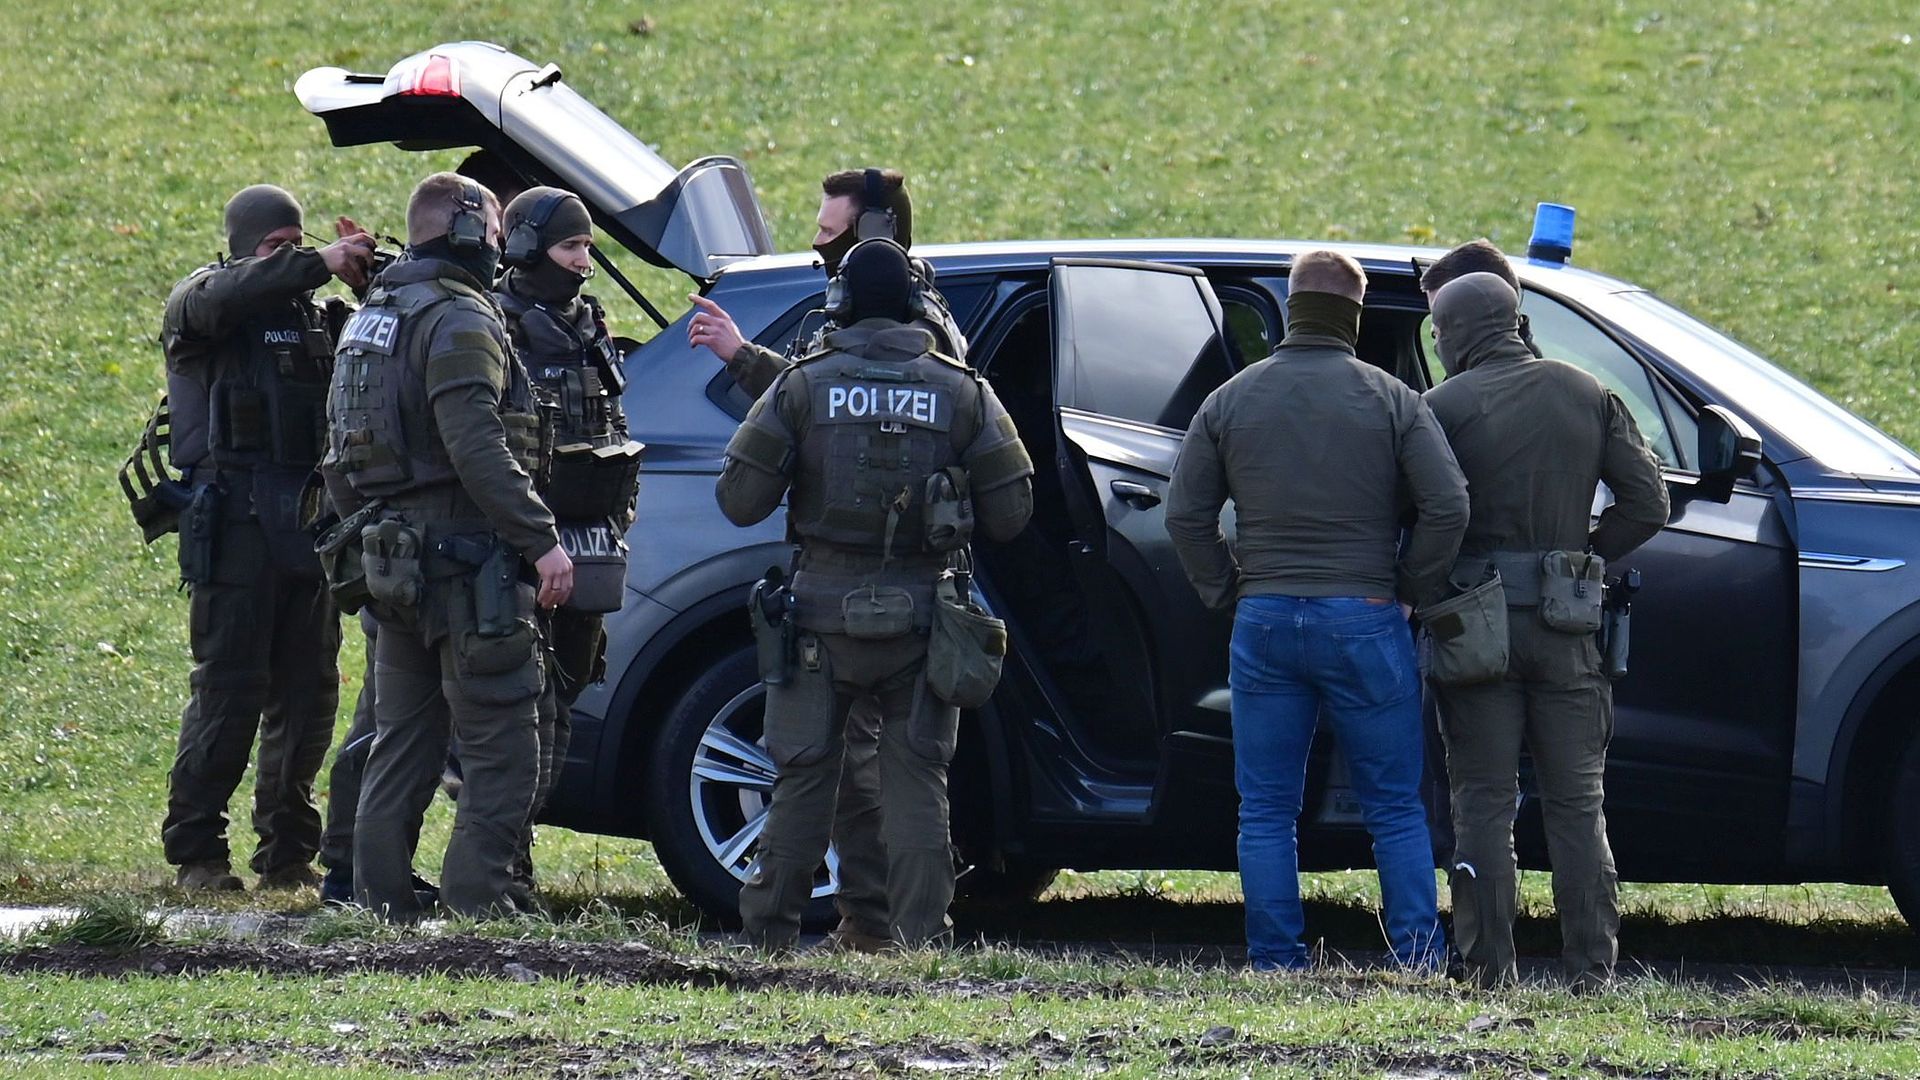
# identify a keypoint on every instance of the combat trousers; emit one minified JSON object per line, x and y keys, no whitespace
{"x":576,"y":656}
{"x":806,"y":734}
{"x":1558,"y":705}
{"x":862,"y":897}
{"x":350,"y":765}
{"x":428,"y":691}
{"x":266,"y":646}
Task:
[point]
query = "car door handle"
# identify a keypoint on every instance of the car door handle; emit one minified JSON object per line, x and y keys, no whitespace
{"x":1138,"y":496}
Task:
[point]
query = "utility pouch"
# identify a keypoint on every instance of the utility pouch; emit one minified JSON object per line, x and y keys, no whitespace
{"x":966,"y":646}
{"x":200,"y":535}
{"x":153,"y":495}
{"x":390,"y":557}
{"x":770,"y":612}
{"x":341,"y":559}
{"x":948,"y":511}
{"x":588,"y":482}
{"x":877,"y":614}
{"x":496,"y":594}
{"x":1467,"y":634}
{"x":244,"y":426}
{"x":1572,"y":587}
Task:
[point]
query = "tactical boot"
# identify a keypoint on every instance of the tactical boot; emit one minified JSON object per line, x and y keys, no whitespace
{"x":849,"y":937}
{"x":207,"y":877}
{"x":297,"y":876}
{"x":336,"y":889}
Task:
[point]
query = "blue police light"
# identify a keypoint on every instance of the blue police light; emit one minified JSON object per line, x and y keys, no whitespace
{"x":1552,"y":241}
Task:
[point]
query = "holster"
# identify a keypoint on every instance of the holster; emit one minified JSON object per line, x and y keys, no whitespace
{"x":200,"y":535}
{"x":341,"y":558}
{"x":496,"y":593}
{"x":770,"y":612}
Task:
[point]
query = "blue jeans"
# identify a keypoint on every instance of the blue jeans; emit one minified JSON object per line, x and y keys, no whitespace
{"x":1350,"y":660}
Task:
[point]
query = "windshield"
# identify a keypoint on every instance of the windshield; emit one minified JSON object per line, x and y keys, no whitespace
{"x":1815,"y":425}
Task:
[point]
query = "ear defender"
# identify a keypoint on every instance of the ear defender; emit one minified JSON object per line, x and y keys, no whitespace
{"x":523,"y":246}
{"x":877,"y":220}
{"x":467,"y":232}
{"x":838,"y":303}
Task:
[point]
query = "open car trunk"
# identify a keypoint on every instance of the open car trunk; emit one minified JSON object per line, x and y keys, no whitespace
{"x":470,"y":93}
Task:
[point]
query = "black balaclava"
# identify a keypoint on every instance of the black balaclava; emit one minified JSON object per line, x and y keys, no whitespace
{"x":483,"y":264}
{"x":1476,"y":319}
{"x":1325,"y":314}
{"x":255,"y":211}
{"x":878,"y":279}
{"x":836,"y":249}
{"x":546,"y":281}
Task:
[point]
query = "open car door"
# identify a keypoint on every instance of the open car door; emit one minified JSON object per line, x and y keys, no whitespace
{"x":470,"y":93}
{"x":1137,"y":347}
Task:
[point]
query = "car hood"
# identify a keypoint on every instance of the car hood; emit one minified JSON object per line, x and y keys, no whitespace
{"x":696,"y":219}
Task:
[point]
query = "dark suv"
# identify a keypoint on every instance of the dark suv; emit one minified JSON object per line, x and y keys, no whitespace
{"x":1766,"y":733}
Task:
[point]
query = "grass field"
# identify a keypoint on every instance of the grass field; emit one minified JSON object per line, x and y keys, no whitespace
{"x":1752,"y":162}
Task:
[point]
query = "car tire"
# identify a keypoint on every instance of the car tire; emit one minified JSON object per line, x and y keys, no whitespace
{"x":1903,"y":836}
{"x":699,"y":820}
{"x":1015,"y":885}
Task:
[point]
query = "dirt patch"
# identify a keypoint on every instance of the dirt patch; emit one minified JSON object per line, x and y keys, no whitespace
{"x":617,"y":963}
{"x":624,"y":963}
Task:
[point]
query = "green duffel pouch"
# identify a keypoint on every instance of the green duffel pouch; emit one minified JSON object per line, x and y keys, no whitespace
{"x":1467,"y":635}
{"x":876,"y":613}
{"x":1572,"y":589}
{"x":965,"y":648}
{"x":390,"y":553}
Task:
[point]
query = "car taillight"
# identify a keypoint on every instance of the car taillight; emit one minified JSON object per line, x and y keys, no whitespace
{"x":438,"y":76}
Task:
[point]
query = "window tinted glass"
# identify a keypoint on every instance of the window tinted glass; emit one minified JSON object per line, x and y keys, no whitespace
{"x":1564,"y":334}
{"x":1144,"y":343}
{"x":1247,"y":327}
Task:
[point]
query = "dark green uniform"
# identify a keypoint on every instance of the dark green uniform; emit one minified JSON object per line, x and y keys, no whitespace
{"x":431,"y":416}
{"x":1533,"y":437}
{"x":862,"y":896}
{"x":855,"y":432}
{"x":562,"y":340}
{"x":247,"y":357}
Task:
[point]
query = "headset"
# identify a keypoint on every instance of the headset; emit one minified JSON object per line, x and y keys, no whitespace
{"x":523,"y":246}
{"x":838,"y":305}
{"x":467,"y":232}
{"x":877,"y":219}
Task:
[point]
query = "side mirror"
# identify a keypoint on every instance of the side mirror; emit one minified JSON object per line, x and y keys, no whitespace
{"x":1729,"y":452}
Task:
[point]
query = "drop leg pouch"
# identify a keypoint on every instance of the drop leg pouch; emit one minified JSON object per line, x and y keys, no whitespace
{"x":1467,"y":634}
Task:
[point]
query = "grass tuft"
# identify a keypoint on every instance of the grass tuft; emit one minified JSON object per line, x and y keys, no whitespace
{"x":115,"y":921}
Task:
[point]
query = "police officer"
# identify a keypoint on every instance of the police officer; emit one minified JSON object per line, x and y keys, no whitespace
{"x":561,"y":337}
{"x":492,"y":172}
{"x":247,"y":354}
{"x":858,"y":431}
{"x":1533,"y":437}
{"x":433,"y":443}
{"x":855,"y":204}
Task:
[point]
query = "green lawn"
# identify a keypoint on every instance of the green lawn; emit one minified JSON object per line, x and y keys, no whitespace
{"x":1751,"y":161}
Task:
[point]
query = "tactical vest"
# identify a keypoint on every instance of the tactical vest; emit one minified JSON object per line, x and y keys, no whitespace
{"x":571,"y":360}
{"x":257,"y":397}
{"x":879,"y":430}
{"x":381,"y":435}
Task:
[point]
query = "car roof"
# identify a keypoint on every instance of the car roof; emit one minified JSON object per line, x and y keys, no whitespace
{"x":1012,"y":255}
